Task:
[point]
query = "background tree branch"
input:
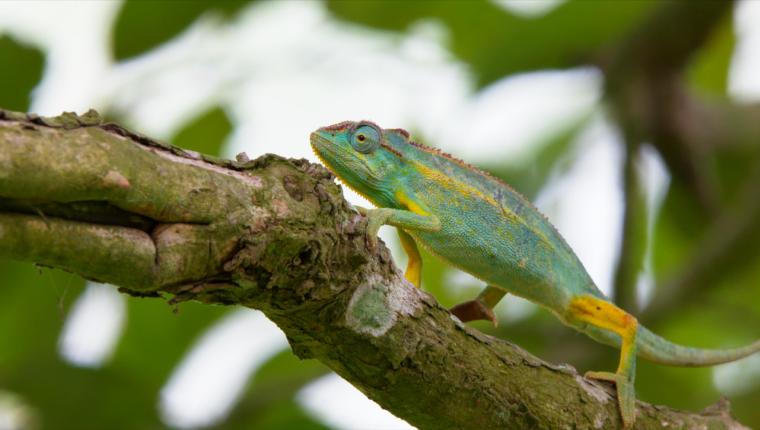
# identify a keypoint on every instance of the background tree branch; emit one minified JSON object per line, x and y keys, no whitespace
{"x":648,"y":94}
{"x":276,"y":235}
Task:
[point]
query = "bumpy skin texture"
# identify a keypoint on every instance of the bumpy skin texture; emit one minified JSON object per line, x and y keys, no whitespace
{"x":480,"y":225}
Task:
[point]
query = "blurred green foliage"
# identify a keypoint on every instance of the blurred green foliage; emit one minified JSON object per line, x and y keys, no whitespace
{"x":20,"y":71}
{"x":493,"y":43}
{"x":709,"y":69}
{"x":142,"y":25}
{"x":206,"y":133}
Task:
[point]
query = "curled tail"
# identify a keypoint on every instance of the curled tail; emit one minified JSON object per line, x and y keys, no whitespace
{"x":660,"y":350}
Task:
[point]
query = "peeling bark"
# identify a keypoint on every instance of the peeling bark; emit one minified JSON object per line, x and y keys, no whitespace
{"x":276,"y":235}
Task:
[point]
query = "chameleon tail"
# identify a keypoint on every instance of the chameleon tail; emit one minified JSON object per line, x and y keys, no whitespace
{"x":659,"y":350}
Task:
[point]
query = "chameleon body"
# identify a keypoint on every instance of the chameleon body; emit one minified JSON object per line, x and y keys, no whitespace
{"x":480,"y":225}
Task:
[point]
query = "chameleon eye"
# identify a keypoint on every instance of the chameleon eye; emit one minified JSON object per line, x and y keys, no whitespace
{"x":366,"y":138}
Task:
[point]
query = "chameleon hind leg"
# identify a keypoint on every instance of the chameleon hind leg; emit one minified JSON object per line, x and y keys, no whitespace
{"x":606,"y":315}
{"x":482,"y":307}
{"x":414,"y":267}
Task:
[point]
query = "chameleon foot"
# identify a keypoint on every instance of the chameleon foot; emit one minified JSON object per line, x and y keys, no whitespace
{"x":625,"y":394}
{"x":472,"y":311}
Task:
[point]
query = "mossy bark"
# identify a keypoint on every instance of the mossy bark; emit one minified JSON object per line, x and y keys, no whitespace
{"x":276,"y":235}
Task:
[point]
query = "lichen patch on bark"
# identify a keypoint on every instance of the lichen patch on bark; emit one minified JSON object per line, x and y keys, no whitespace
{"x":368,"y":311}
{"x":376,"y":306}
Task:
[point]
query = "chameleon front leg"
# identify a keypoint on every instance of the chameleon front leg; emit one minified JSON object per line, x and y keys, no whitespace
{"x":606,"y":315}
{"x":414,"y":267}
{"x":398,"y":218}
{"x":482,"y":307}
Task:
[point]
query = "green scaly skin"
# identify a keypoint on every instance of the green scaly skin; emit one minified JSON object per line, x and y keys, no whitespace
{"x":480,"y":225}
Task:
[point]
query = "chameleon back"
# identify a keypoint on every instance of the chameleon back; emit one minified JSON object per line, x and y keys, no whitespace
{"x":488,"y":229}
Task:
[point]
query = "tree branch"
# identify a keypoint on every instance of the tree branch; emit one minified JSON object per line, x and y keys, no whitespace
{"x":633,"y":245}
{"x":644,"y":85}
{"x":276,"y":235}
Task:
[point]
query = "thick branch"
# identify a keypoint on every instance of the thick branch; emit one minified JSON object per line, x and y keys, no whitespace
{"x":276,"y":235}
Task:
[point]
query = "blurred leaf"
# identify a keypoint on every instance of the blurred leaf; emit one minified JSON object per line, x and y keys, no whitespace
{"x":269,"y":399}
{"x":33,"y":303}
{"x":124,"y":393}
{"x":723,"y":312}
{"x":21,"y":70}
{"x":677,"y":227}
{"x":569,"y":35}
{"x":143,"y":25}
{"x":708,"y":71}
{"x":719,"y":320}
{"x":676,"y":387}
{"x":284,"y":415}
{"x":745,"y":408}
{"x":206,"y":134}
{"x":285,"y":369}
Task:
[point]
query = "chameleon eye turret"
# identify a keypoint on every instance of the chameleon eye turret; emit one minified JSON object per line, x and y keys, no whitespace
{"x":365,"y":137}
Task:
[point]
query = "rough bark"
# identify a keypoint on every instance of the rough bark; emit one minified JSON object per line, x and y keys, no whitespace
{"x":276,"y":235}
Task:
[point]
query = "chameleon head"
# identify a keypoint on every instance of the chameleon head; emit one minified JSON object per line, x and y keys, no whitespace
{"x":364,"y":156}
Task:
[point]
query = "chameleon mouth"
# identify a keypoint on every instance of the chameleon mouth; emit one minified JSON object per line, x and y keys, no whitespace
{"x":319,"y":146}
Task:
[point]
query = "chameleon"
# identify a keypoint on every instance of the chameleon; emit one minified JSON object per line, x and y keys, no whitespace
{"x":479,"y":224}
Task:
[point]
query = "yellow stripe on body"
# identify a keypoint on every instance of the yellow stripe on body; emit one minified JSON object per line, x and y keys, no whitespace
{"x":462,"y":188}
{"x":410,"y":204}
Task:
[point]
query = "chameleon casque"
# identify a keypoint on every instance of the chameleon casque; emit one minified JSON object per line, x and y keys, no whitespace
{"x":480,"y":225}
